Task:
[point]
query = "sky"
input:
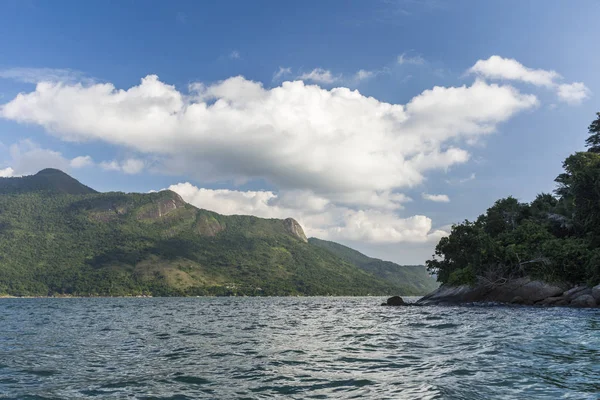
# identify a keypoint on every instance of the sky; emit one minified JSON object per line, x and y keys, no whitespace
{"x":376,"y":124}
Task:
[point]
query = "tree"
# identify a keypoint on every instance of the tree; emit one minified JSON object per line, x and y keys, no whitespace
{"x":583,"y":188}
{"x":593,"y":142}
{"x":553,"y":238}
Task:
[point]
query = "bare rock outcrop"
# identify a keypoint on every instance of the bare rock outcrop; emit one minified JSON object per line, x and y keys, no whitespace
{"x":524,"y":291}
{"x":295,"y":229}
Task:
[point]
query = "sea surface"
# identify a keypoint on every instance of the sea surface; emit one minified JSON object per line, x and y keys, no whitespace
{"x":259,"y":348}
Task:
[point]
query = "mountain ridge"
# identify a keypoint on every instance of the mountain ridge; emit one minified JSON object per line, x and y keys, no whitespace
{"x":60,"y":237}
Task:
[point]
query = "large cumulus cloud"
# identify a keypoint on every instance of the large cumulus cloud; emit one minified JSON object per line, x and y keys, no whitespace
{"x":344,"y":158}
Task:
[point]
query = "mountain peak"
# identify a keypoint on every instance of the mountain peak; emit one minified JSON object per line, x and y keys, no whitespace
{"x":52,"y":171}
{"x":49,"y":179}
{"x":49,"y":171}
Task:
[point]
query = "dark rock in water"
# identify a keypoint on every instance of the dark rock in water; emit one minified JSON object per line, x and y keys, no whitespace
{"x":454,"y":295}
{"x":531,"y":291}
{"x":596,"y":293}
{"x":395,"y":301}
{"x":551,"y":301}
{"x":576,"y":292}
{"x":516,"y":291}
{"x":585,"y":300}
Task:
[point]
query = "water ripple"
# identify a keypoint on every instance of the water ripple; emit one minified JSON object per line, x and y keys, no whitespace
{"x":257,"y":348}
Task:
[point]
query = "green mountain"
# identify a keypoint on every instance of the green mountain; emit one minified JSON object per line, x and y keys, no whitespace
{"x":50,"y":180}
{"x":58,"y":236}
{"x":410,"y":279}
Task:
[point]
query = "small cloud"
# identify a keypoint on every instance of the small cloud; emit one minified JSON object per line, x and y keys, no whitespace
{"x":234,"y":55}
{"x":7,"y":172}
{"x":497,"y":67}
{"x":36,"y":75}
{"x":81,"y":162}
{"x":320,"y":75}
{"x":438,"y":198}
{"x":573,"y":93}
{"x":110,"y":165}
{"x":470,"y":178}
{"x":281,"y":73}
{"x":415,"y":60}
{"x":462,"y":180}
{"x":362,"y":75}
{"x":130,"y":166}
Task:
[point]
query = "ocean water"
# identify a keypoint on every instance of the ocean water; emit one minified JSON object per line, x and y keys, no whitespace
{"x":258,"y":348}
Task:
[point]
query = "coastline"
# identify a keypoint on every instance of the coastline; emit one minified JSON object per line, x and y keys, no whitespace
{"x":521,"y":291}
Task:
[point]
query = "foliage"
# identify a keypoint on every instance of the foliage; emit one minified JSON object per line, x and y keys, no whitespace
{"x":67,"y":240}
{"x":410,"y":279}
{"x":551,"y":238}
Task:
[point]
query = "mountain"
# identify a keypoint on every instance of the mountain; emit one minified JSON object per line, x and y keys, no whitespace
{"x":58,"y":236}
{"x":50,"y":180}
{"x":411,"y":279}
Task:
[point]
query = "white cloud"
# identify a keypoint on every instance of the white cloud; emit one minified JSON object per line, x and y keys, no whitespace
{"x":318,"y":216}
{"x":297,"y":136}
{"x":414,"y":60}
{"x":281,"y":72}
{"x":573,"y":93}
{"x":338,"y":158}
{"x":7,"y":172}
{"x":130,"y":166}
{"x":460,"y":180}
{"x":81,"y":162}
{"x":35,"y":75}
{"x":27,"y":158}
{"x":438,"y":198}
{"x":362,"y":75}
{"x":382,"y":227}
{"x":110,"y":165}
{"x":497,"y":67}
{"x":320,"y":75}
{"x":234,"y":55}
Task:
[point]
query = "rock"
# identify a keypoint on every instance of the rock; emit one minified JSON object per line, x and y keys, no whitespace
{"x":517,"y":300}
{"x":395,"y":301}
{"x":551,"y":301}
{"x":295,"y":229}
{"x":585,"y":300}
{"x":454,"y":295}
{"x":530,"y":291}
{"x":576,"y":292}
{"x":596,"y":293}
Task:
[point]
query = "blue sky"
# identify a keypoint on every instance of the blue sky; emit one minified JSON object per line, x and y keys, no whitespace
{"x":385,"y":169}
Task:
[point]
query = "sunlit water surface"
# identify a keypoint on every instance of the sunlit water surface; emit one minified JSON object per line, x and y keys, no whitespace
{"x":252,"y":348}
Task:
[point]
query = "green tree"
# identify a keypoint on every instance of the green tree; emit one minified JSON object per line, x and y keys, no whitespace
{"x":553,"y":238}
{"x":593,"y":142}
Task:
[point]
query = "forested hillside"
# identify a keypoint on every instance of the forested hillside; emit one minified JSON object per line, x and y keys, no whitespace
{"x":411,"y":279}
{"x":556,"y":237}
{"x":58,"y":236}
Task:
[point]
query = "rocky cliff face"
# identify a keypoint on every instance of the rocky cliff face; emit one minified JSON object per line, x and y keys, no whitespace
{"x":294,"y":228}
{"x":169,"y":202}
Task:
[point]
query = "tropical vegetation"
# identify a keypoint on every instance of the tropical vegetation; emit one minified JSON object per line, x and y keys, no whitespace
{"x":59,"y":237}
{"x":556,"y":237}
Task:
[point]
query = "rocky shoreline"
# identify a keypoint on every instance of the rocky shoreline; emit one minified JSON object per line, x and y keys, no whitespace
{"x":521,"y":291}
